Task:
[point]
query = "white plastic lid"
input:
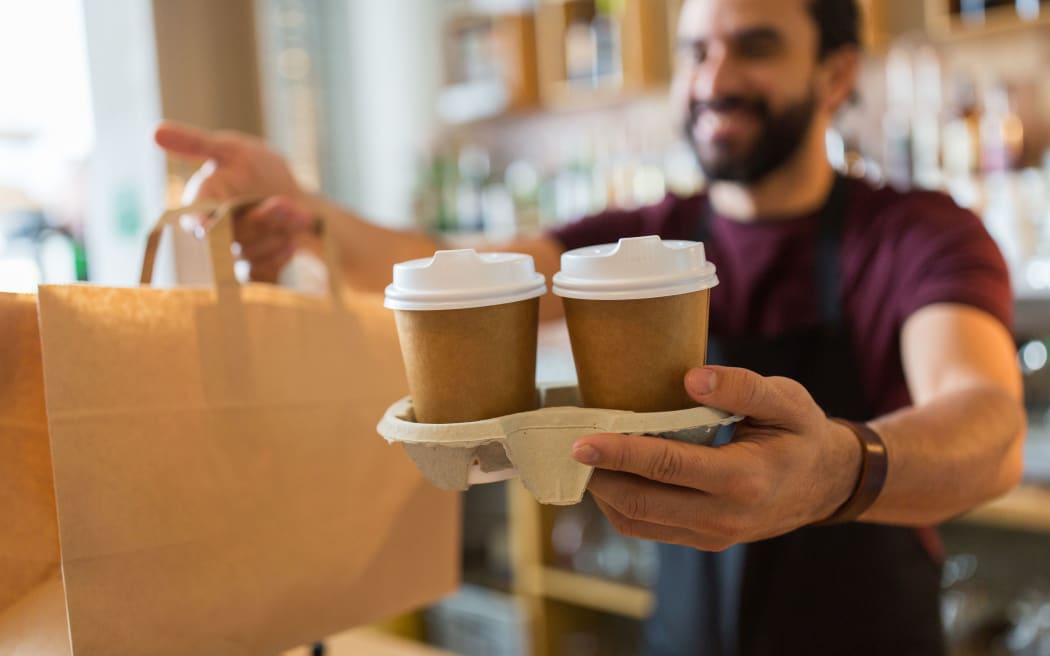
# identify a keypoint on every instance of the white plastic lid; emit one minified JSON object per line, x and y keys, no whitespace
{"x":634,"y":268}
{"x":462,"y":279}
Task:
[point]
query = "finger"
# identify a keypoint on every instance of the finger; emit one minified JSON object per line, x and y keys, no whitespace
{"x":270,"y":269}
{"x":207,"y":186}
{"x":249,"y":228}
{"x":265,"y":247}
{"x":634,"y":528}
{"x":657,"y":503}
{"x":711,"y":469}
{"x":202,"y":186}
{"x":272,"y":213}
{"x":765,"y":401}
{"x":187,"y":141}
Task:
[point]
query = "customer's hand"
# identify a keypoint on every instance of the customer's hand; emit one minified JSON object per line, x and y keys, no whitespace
{"x":787,"y":466}
{"x":270,"y":232}
{"x":238,"y":165}
{"x":235,"y":164}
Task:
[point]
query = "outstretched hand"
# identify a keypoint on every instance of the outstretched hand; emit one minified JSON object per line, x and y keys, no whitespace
{"x":236,"y":166}
{"x":787,"y":466}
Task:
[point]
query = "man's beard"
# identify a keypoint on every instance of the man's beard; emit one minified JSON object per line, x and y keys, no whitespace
{"x":779,"y":138}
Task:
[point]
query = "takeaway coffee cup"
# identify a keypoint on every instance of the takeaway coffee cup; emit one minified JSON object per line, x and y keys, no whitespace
{"x":467,"y":324}
{"x":637,"y":313}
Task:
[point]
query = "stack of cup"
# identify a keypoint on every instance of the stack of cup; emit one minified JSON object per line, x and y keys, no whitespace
{"x":637,"y":313}
{"x":467,"y":323}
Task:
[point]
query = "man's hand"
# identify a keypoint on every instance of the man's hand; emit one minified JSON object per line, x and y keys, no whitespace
{"x":235,"y":164}
{"x":238,"y":166}
{"x":788,"y":466}
{"x":269,"y":234}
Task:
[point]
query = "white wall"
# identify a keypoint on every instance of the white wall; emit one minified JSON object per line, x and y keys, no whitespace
{"x":126,"y":171}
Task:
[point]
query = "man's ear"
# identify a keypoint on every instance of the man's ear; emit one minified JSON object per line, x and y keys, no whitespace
{"x":838,"y":78}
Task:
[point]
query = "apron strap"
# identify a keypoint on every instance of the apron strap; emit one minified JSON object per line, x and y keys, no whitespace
{"x":699,"y":593}
{"x":832,"y":220}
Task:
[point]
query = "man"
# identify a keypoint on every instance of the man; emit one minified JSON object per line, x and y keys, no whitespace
{"x":891,"y":310}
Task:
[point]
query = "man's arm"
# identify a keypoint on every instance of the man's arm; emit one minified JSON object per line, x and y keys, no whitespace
{"x":961,"y":443}
{"x":368,"y":251}
{"x":789,"y":465}
{"x":240,"y":165}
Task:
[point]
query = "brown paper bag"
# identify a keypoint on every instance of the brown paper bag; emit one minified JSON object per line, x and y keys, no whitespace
{"x":32,"y":611}
{"x":219,"y":485}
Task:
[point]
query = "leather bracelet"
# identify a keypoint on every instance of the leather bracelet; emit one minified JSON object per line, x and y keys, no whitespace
{"x":873,"y":466}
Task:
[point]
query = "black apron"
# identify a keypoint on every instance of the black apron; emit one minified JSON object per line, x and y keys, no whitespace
{"x":854,"y":589}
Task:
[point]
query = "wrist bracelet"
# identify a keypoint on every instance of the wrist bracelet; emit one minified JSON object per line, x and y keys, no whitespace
{"x":873,"y":465}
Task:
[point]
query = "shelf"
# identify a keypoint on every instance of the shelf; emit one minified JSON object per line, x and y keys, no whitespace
{"x":565,"y":97}
{"x":644,"y":57}
{"x":508,"y":80}
{"x":1031,"y":314}
{"x":597,"y":594}
{"x":371,"y":641}
{"x":997,"y":20}
{"x":1027,"y":508}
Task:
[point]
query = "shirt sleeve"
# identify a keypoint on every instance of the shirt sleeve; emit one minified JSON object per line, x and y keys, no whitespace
{"x":947,"y":256}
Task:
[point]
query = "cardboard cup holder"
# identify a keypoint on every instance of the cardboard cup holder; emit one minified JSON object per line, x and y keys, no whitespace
{"x":536,"y":445}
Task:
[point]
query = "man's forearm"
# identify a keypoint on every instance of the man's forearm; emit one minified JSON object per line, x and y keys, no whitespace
{"x":949,"y":455}
{"x":368,"y":252}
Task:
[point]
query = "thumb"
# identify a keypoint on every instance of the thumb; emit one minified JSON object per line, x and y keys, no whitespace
{"x":770,"y":401}
{"x":186,"y":141}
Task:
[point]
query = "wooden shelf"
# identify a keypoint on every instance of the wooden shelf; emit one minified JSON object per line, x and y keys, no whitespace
{"x":948,"y":26}
{"x":510,"y":41}
{"x":597,"y":594}
{"x":1027,"y":508}
{"x":873,"y":24}
{"x":564,"y":97}
{"x":562,"y":100}
{"x":645,"y":58}
{"x":371,"y":641}
{"x":532,"y":50}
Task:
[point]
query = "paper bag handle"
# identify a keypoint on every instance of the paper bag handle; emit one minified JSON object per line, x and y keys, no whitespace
{"x":219,"y":231}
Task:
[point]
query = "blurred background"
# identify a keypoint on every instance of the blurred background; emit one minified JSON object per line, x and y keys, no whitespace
{"x":483,"y":118}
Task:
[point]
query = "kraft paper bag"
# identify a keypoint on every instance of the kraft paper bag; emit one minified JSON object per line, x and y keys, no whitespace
{"x":219,"y":485}
{"x":32,"y":610}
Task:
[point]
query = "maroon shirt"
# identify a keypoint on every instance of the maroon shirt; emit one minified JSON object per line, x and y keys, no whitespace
{"x":899,"y":253}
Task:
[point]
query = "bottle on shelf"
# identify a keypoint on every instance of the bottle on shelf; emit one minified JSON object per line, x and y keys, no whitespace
{"x":474,"y":167}
{"x":926,"y":120}
{"x":976,"y":11}
{"x":581,"y":53}
{"x":523,"y":182}
{"x":1028,"y":10}
{"x":1001,"y":132}
{"x":972,"y":11}
{"x":897,"y":122}
{"x":593,"y":47}
{"x":961,"y":136}
{"x":608,"y":42}
{"x":467,"y":188}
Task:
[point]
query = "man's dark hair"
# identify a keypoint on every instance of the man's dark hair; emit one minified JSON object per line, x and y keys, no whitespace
{"x":838,"y":22}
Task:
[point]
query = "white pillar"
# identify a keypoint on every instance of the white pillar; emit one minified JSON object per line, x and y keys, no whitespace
{"x":126,"y":177}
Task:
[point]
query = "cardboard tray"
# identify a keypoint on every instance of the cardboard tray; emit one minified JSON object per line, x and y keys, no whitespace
{"x":536,"y":445}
